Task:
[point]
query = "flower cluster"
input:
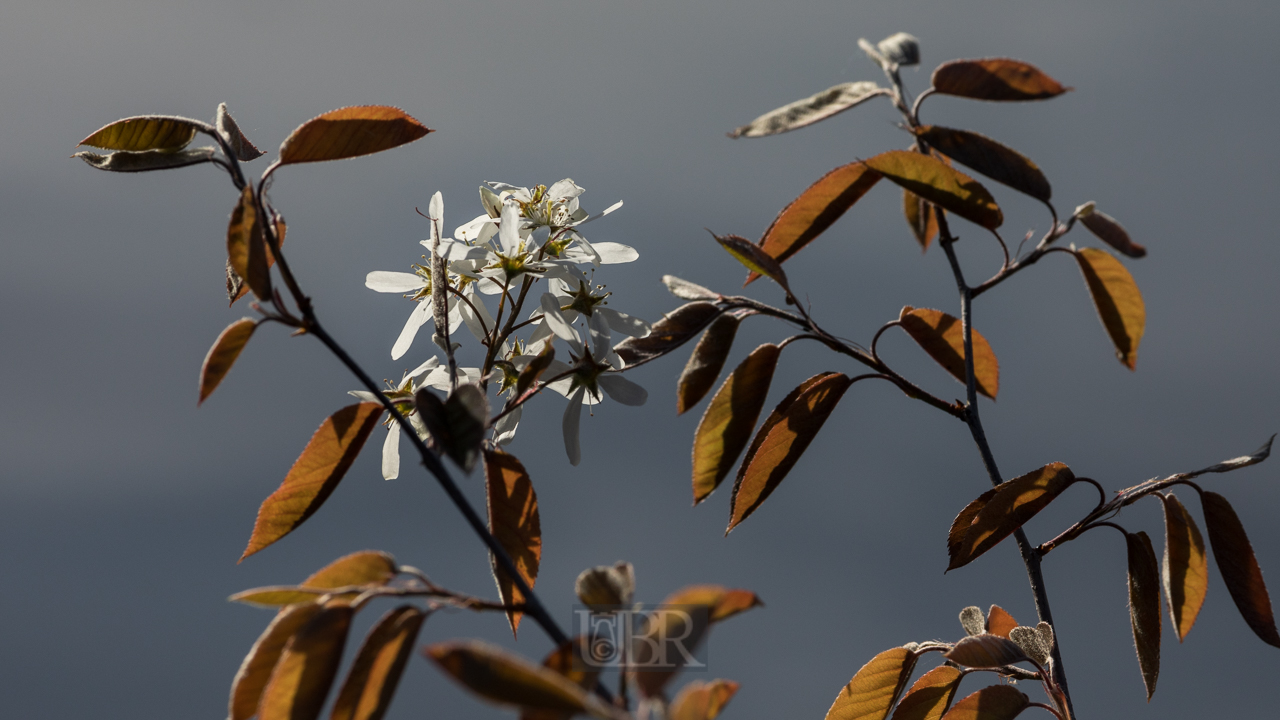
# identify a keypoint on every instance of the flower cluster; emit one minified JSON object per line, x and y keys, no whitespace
{"x":526,"y":249}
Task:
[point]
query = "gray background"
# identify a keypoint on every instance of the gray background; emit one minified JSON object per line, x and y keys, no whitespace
{"x":123,"y":508}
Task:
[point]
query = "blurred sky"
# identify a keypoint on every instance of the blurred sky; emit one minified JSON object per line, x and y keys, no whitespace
{"x":123,"y":508}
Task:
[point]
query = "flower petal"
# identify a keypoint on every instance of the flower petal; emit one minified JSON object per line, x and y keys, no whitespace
{"x":393,"y":282}
{"x":431,"y":363}
{"x":391,"y":453}
{"x":506,"y":426}
{"x":555,"y":319}
{"x":601,"y":338}
{"x":564,"y":189}
{"x":509,"y":229}
{"x":612,"y":253}
{"x":435,"y":211}
{"x":622,"y":389}
{"x":364,"y":395}
{"x":572,"y":419}
{"x":623,"y":323}
{"x":420,"y":315}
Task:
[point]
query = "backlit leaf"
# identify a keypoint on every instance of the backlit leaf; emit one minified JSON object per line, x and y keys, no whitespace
{"x":726,"y":425}
{"x":753,"y":258}
{"x":371,"y":682}
{"x":1036,"y":645}
{"x":930,"y":696}
{"x":935,"y":181}
{"x":315,"y":473}
{"x":255,"y":671}
{"x":223,"y":354}
{"x":875,"y":687}
{"x":1118,"y":301}
{"x":236,"y":286}
{"x":230,"y":132}
{"x":1144,"y":606}
{"x":1239,"y":567}
{"x":960,"y":526}
{"x":246,"y":250}
{"x":817,"y":208}
{"x":995,"y":79}
{"x":810,"y":110}
{"x":706,"y":362}
{"x":971,"y":620}
{"x":685,"y":618}
{"x":702,"y":700}
{"x":145,"y":132}
{"x":1000,"y":622}
{"x":1008,"y":508}
{"x":457,"y":424}
{"x":1108,"y":230}
{"x":531,"y":372}
{"x":942,"y":336}
{"x":673,"y":330}
{"x":996,"y":161}
{"x":723,"y":602}
{"x":1185,"y":566}
{"x":986,"y":651}
{"x":350,"y":132}
{"x":497,"y":675}
{"x":366,"y":569}
{"x":514,"y":522}
{"x":147,"y":160}
{"x":920,"y":218}
{"x":570,"y":661}
{"x":781,"y":445}
{"x":997,"y":702}
{"x":307,"y":667}
{"x":605,"y":588}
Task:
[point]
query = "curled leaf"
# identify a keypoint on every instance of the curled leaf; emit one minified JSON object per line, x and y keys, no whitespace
{"x":754,"y":259}
{"x":995,"y":79}
{"x":146,"y":132}
{"x":605,"y":588}
{"x":531,"y":372}
{"x":942,"y":336}
{"x":230,"y":132}
{"x":350,"y":132}
{"x":147,"y":160}
{"x":307,"y":667}
{"x":921,"y":218}
{"x":515,"y":523}
{"x":999,"y":622}
{"x":875,"y":687}
{"x":930,"y":696}
{"x":937,"y":182}
{"x":1239,"y":567}
{"x":997,"y":702}
{"x":1118,"y":301}
{"x":1185,"y":568}
{"x":255,"y":671}
{"x":810,"y":110}
{"x":222,"y":355}
{"x":986,"y":651}
{"x":1144,"y":606}
{"x":702,"y":700}
{"x":998,"y":162}
{"x":1108,"y":230}
{"x":246,"y":250}
{"x":497,"y":675}
{"x":706,"y":362}
{"x":1007,"y":507}
{"x":673,"y":330}
{"x":371,"y":683}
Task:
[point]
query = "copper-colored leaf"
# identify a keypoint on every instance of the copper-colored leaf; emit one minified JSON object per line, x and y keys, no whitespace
{"x":246,"y":250}
{"x":1185,"y":568}
{"x":781,"y":445}
{"x":570,"y":661}
{"x":723,"y":602}
{"x":531,"y":372}
{"x":147,"y":160}
{"x":920,"y":218}
{"x":371,"y":682}
{"x":350,"y":132}
{"x":810,"y":110}
{"x":995,"y":79}
{"x":497,"y":675}
{"x":514,"y":522}
{"x":307,"y":667}
{"x":1108,"y":230}
{"x":935,"y":181}
{"x":726,"y":425}
{"x":676,"y":630}
{"x":942,"y":336}
{"x":315,"y":473}
{"x":960,"y":526}
{"x":986,"y":651}
{"x":368,"y":568}
{"x":998,"y":162}
{"x":673,"y":330}
{"x":145,"y":132}
{"x":236,"y":286}
{"x":1144,"y":606}
{"x":817,"y":208}
{"x":235,"y":139}
{"x":1239,"y":567}
{"x":875,"y":687}
{"x":930,"y":696}
{"x":702,"y":700}
{"x":1118,"y":301}
{"x":223,"y":354}
{"x":706,"y":362}
{"x":1008,"y":508}
{"x":997,"y":702}
{"x":754,"y":258}
{"x":1000,"y":622}
{"x":255,"y":671}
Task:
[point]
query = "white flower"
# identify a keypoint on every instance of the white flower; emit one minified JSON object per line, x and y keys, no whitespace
{"x":402,"y":396}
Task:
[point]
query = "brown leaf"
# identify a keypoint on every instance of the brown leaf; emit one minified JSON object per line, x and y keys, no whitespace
{"x":147,"y":160}
{"x":702,"y":700}
{"x":1118,"y":301}
{"x":531,"y":372}
{"x":706,"y":362}
{"x":606,"y":588}
{"x":931,"y":695}
{"x":366,"y":569}
{"x":673,"y":330}
{"x":875,"y":687}
{"x":570,"y":661}
{"x":986,"y":651}
{"x":1108,"y":230}
{"x":514,"y":522}
{"x":236,"y":286}
{"x":1238,"y":566}
{"x":995,"y":79}
{"x":935,"y":181}
{"x":350,"y":132}
{"x":754,"y":259}
{"x":255,"y":671}
{"x":230,"y":132}
{"x":371,"y":682}
{"x":223,"y":354}
{"x":817,"y":208}
{"x":1144,"y":606}
{"x":306,"y":670}
{"x":998,"y":162}
{"x":677,"y":628}
{"x":781,"y":445}
{"x":810,"y":110}
{"x":942,"y":336}
{"x":457,"y":424}
{"x":726,"y":425}
{"x":960,"y":526}
{"x":246,"y":250}
{"x":1000,"y":622}
{"x":1185,"y":569}
{"x":1008,"y":508}
{"x":920,"y":218}
{"x":145,"y":132}
{"x":997,"y":702}
{"x":315,"y":473}
{"x":723,"y":602}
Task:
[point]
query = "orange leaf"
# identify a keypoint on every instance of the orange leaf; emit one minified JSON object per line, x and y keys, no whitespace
{"x":497,"y":675}
{"x":145,"y":132}
{"x":315,"y":474}
{"x":930,"y":697}
{"x":960,"y":526}
{"x":1000,"y":622}
{"x":706,"y":362}
{"x":986,"y":651}
{"x":369,"y":568}
{"x":1144,"y":606}
{"x":997,"y":702}
{"x":570,"y":661}
{"x":678,"y":628}
{"x":998,"y":162}
{"x":920,"y":218}
{"x":723,"y":602}
{"x":236,"y":286}
{"x":1008,"y":508}
{"x":942,"y":336}
{"x":754,"y":259}
{"x":1185,"y":567}
{"x":726,"y":425}
{"x":514,"y":522}
{"x":875,"y":687}
{"x":246,"y":250}
{"x":255,"y":671}
{"x":306,"y":670}
{"x":350,"y":132}
{"x":781,"y":444}
{"x":702,"y":700}
{"x":673,"y":330}
{"x":223,"y":354}
{"x":995,"y":79}
{"x":1118,"y":301}
{"x":371,"y":683}
{"x":935,"y":181}
{"x":1239,"y":567}
{"x":817,"y":208}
